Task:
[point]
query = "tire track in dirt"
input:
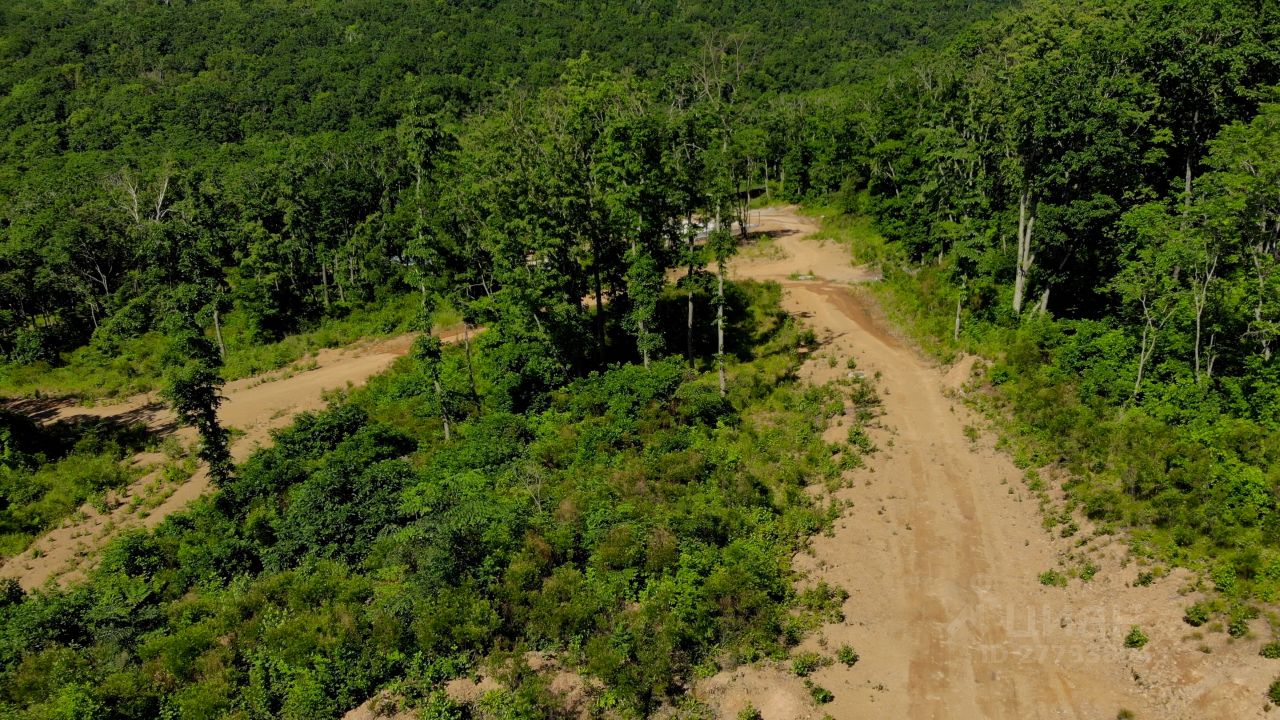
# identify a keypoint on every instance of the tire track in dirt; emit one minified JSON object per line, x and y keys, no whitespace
{"x":941,"y":552}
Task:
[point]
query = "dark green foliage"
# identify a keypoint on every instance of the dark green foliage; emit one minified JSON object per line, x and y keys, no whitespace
{"x":820,"y":695}
{"x":193,"y":385}
{"x":522,"y":365}
{"x":274,"y":168}
{"x":632,"y":521}
{"x":47,"y":472}
{"x":1271,"y":651}
{"x":339,"y":511}
{"x":1197,"y":614}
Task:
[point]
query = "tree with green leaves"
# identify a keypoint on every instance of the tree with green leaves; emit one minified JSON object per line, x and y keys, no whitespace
{"x":723,"y":247}
{"x":193,"y":388}
{"x":426,"y":351}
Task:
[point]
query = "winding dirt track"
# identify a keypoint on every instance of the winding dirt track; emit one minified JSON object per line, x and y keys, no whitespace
{"x":254,"y":406}
{"x":941,"y":552}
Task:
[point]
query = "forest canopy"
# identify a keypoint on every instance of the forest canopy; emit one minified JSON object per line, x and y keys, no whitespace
{"x":614,"y":472}
{"x":258,"y":153}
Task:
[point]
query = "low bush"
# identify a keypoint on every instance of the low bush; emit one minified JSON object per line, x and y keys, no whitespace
{"x":805,"y":664}
{"x":1053,"y":578}
{"x":1136,"y":638}
{"x":847,"y":655}
{"x":1197,"y":614}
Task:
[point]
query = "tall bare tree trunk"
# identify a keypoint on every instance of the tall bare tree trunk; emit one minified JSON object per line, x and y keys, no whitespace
{"x":444,"y":411}
{"x":1195,"y":125}
{"x":217,"y":333}
{"x":1187,"y":187}
{"x":1210,"y":357}
{"x":1265,"y":341}
{"x":466,"y":343}
{"x":720,"y":332}
{"x":642,"y":331}
{"x":1151,"y":327}
{"x":644,"y":351}
{"x":1026,"y":223}
{"x":599,"y":318}
{"x":1146,"y":346}
{"x":1201,"y":301}
{"x":688,"y":332}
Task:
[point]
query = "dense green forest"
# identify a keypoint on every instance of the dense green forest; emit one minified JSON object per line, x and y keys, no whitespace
{"x":614,"y":470}
{"x":272,"y":158}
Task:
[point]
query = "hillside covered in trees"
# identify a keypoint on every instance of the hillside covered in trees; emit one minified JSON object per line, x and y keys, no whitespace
{"x":614,"y":471}
{"x":272,"y":157}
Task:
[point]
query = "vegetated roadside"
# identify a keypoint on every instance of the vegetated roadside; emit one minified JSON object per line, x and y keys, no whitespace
{"x":99,"y":372}
{"x":634,"y":525}
{"x":161,"y":479}
{"x":971,"y":595}
{"x":1179,"y":481}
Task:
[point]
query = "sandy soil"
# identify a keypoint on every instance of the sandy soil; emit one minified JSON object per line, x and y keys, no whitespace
{"x":795,"y":256}
{"x":941,"y":551}
{"x":253,"y":406}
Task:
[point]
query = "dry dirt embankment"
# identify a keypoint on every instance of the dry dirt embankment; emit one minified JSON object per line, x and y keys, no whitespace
{"x":253,"y":406}
{"x":941,"y":552}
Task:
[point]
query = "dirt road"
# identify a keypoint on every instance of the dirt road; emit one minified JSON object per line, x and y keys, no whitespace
{"x":941,"y":552}
{"x":253,"y":406}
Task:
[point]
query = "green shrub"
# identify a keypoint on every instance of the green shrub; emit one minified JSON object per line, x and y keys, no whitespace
{"x":847,"y":655}
{"x":1197,"y":614}
{"x":1238,"y":618}
{"x":1273,"y":692}
{"x":825,"y":602}
{"x":1136,"y":638}
{"x":1271,"y":650}
{"x":859,"y":439}
{"x":1053,"y":578}
{"x":750,"y":713}
{"x":820,"y":695}
{"x":806,"y":663}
